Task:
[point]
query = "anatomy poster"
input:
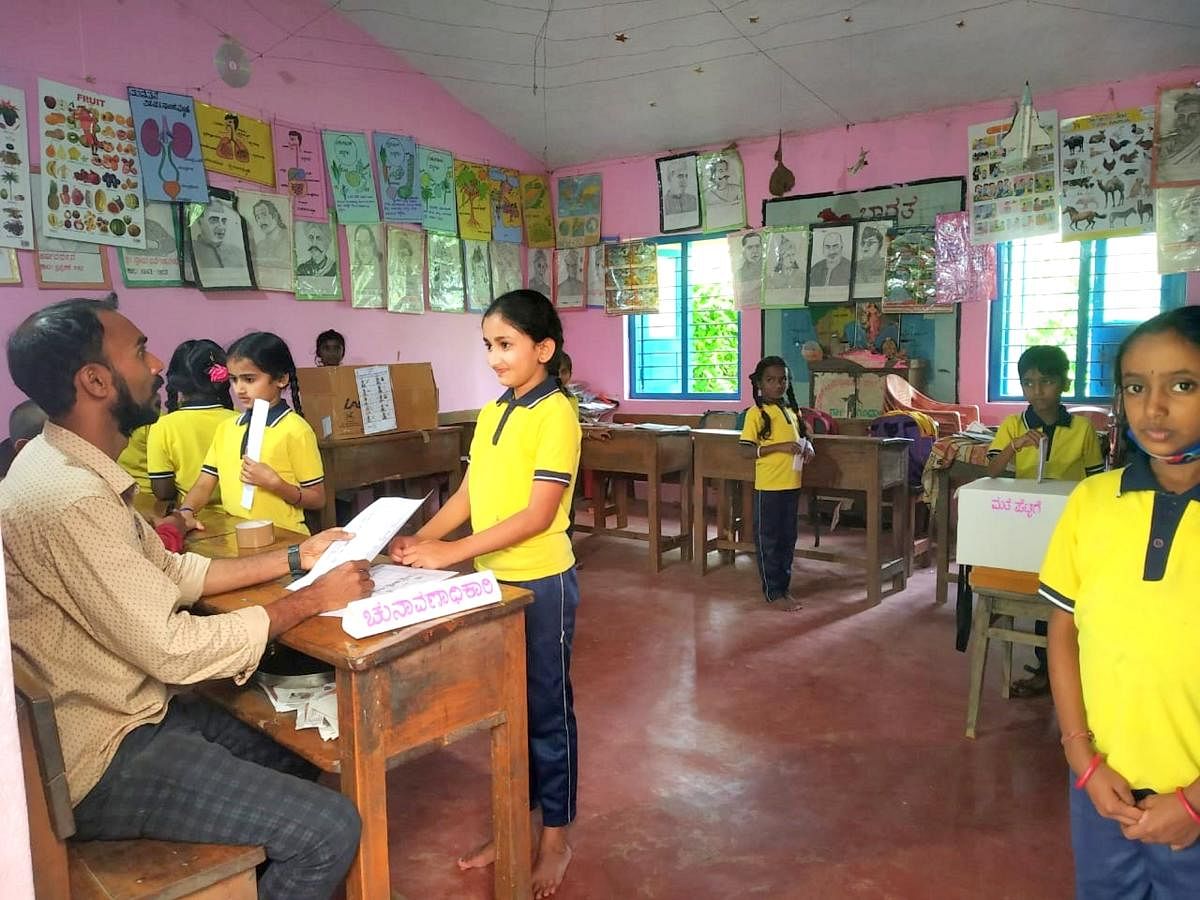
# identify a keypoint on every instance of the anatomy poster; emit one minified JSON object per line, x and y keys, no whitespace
{"x":348,"y":162}
{"x":300,"y":171}
{"x":234,"y":144}
{"x":16,"y":210}
{"x":167,"y":145}
{"x":1105,"y":166}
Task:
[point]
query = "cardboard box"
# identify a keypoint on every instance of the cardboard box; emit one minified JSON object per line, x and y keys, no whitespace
{"x":331,"y":400}
{"x":1006,"y":523}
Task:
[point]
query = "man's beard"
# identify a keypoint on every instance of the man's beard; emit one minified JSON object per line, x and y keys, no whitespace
{"x":130,"y":414}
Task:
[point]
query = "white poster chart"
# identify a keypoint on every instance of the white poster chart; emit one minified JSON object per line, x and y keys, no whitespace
{"x":391,"y":579}
{"x":16,"y":211}
{"x":1012,"y":198}
{"x":372,"y":529}
{"x":375,"y":399}
{"x":1106,"y":174}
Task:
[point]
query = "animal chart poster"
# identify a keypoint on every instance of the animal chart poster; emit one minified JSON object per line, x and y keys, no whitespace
{"x":1105,"y":165}
{"x":437,"y":190}
{"x":348,"y":163}
{"x":1011,"y":198}
{"x":536,"y":211}
{"x":234,"y":144}
{"x":165,"y":125}
{"x":396,"y":155}
{"x":473,"y":190}
{"x":16,"y":210}
{"x":300,"y":171}
{"x":506,"y":204}
{"x":91,"y":176}
{"x":579,"y":198}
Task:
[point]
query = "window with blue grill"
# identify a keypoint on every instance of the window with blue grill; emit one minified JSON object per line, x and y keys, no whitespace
{"x":1083,"y":296}
{"x":690,"y":348}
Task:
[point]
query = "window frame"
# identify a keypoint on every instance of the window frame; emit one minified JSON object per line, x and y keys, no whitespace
{"x":683,"y":316}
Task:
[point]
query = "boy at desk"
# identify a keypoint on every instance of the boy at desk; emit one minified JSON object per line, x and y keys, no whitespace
{"x":1065,"y":445}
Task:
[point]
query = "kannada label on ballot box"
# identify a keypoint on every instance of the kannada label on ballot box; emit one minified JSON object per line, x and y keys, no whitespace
{"x":419,"y":603}
{"x":1006,"y":523}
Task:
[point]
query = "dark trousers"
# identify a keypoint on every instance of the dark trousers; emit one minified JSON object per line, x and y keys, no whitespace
{"x":1109,"y":866}
{"x":553,"y":738}
{"x":202,"y":776}
{"x":775,"y":524}
{"x":1041,"y":627}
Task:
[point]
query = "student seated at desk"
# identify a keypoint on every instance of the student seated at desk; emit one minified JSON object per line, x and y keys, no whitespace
{"x":101,"y":612}
{"x":331,"y":348}
{"x":1045,"y":429}
{"x":25,"y":423}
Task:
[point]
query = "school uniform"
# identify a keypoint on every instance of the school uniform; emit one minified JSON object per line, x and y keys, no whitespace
{"x":519,"y":441}
{"x":1072,"y":448}
{"x":133,"y":458}
{"x":289,"y":447}
{"x":179,"y":441}
{"x":577,"y":490}
{"x":1122,"y":561}
{"x":776,"y":497}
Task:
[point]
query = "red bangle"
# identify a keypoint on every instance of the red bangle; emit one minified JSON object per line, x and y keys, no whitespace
{"x":1191,"y":810}
{"x":1083,"y":779}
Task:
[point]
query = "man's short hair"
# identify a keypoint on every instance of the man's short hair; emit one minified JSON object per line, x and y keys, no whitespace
{"x":25,"y":421}
{"x":751,"y":234}
{"x":51,"y":345}
{"x":1048,"y":359}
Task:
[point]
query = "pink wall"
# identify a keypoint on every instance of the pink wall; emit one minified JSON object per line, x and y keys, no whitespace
{"x":169,"y":45}
{"x":929,"y":145}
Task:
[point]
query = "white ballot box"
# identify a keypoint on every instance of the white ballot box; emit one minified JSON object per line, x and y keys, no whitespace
{"x":1006,"y":523}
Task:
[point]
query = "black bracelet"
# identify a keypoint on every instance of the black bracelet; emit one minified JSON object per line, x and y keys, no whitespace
{"x":294,"y":561}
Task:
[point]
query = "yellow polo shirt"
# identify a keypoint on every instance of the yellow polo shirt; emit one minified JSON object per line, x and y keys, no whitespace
{"x":774,"y":471}
{"x":519,"y":441}
{"x":1074,"y":451}
{"x":1123,"y":561}
{"x":179,"y":441}
{"x":289,"y":447}
{"x":133,"y":458}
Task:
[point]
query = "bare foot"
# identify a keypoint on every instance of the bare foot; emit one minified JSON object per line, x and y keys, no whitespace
{"x":481,"y":856}
{"x":790,"y":602}
{"x":552,"y":861}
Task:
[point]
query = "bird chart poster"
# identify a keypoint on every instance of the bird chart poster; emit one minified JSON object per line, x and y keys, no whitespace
{"x":579,"y":198}
{"x":167,"y":145}
{"x":1105,"y":166}
{"x":16,"y":210}
{"x":236,"y":145}
{"x":91,"y":175}
{"x":348,"y":162}
{"x":300,"y":171}
{"x":1011,"y":198}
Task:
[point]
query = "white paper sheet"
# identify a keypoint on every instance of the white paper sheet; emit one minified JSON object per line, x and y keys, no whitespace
{"x":258,"y":427}
{"x":1042,"y":445}
{"x":372,"y":528}
{"x":806,"y":450}
{"x":391,"y":578}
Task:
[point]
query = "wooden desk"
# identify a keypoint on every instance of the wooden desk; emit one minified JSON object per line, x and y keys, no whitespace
{"x":654,"y":454}
{"x":401,"y":694}
{"x":213,"y":517}
{"x":863,"y":465}
{"x":948,"y":478}
{"x":358,"y":462}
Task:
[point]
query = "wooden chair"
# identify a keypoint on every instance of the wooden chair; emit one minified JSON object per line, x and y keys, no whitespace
{"x":108,"y":870}
{"x":1000,"y":598}
{"x":898,"y":394}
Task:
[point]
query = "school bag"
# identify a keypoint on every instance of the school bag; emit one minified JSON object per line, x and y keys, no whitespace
{"x":899,"y":425}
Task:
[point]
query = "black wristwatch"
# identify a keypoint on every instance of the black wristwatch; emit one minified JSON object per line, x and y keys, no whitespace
{"x":294,"y":561}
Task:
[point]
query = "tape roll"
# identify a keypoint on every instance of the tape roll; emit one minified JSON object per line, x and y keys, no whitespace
{"x":255,"y":534}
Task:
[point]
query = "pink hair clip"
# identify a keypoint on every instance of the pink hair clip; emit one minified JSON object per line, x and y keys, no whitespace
{"x":217,"y":373}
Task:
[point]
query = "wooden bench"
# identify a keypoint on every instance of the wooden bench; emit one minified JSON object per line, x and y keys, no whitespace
{"x":108,"y":870}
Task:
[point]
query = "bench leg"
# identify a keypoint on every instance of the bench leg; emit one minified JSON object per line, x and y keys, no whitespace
{"x":1006,"y":658}
{"x":978,"y":653}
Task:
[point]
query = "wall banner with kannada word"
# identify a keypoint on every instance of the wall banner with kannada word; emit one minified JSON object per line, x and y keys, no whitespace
{"x":536,"y":211}
{"x":631,"y":278}
{"x":419,"y":603}
{"x":473,"y":190}
{"x":579,"y":200}
{"x":506,"y":204}
{"x":1012,"y":198}
{"x":235,"y":144}
{"x":300,"y":170}
{"x":351,"y":179}
{"x":16,"y":206}
{"x":168,"y":146}
{"x":92,"y":189}
{"x":1105,"y":165}
{"x":399,"y":183}
{"x":437,"y":190}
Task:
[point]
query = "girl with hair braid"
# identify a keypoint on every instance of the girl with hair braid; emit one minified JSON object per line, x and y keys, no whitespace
{"x":775,"y":435}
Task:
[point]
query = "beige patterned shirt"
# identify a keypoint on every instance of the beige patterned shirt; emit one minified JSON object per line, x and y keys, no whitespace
{"x":98,"y":608}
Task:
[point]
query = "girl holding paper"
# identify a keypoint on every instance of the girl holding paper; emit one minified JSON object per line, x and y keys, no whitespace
{"x":288,"y":476}
{"x":516,"y":493}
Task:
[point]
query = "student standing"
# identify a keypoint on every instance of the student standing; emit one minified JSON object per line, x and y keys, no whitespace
{"x":516,"y":493}
{"x":1122,"y":570}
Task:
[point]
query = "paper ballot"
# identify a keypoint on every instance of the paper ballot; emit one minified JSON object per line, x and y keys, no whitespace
{"x":372,"y":529}
{"x":254,"y":442}
{"x":1043,"y":446}
{"x":806,"y":450}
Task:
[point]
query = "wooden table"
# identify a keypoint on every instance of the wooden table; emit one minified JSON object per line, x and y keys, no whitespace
{"x":654,"y":454}
{"x":948,"y":478}
{"x":870,"y":466}
{"x":358,"y":462}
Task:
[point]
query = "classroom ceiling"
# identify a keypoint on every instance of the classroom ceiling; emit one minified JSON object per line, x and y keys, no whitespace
{"x":696,"y":72}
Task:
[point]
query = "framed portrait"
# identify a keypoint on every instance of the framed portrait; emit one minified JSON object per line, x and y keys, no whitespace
{"x":830,"y":263}
{"x":1176,"y":148}
{"x":405,"y":270}
{"x":158,"y":264}
{"x":268,"y":219}
{"x":784,"y":266}
{"x":445,"y":273}
{"x":477,"y":268}
{"x":366,"y":265}
{"x":538,"y":277}
{"x":678,"y":193}
{"x":569,"y":284}
{"x":318,"y":268}
{"x":595,"y":276}
{"x":1178,"y":229}
{"x":10,"y":271}
{"x":746,"y":262}
{"x":722,"y":191}
{"x":870,"y":251}
{"x":220,"y":245}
